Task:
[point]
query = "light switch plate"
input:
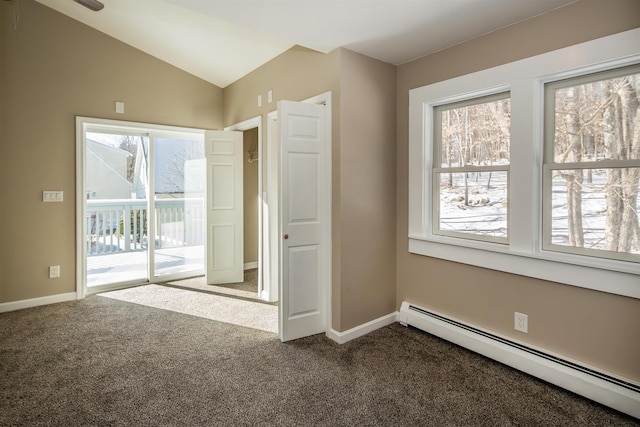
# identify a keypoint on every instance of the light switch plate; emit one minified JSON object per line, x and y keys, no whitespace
{"x":52,"y":196}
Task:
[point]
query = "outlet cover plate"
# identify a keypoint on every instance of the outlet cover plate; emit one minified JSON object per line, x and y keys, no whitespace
{"x":521,"y":322}
{"x":54,"y":272}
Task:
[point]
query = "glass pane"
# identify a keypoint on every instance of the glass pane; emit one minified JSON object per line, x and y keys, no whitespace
{"x":597,"y":120}
{"x":474,"y":203}
{"x":596,"y":209}
{"x":179,"y":179}
{"x":115,"y":167}
{"x":476,"y":134}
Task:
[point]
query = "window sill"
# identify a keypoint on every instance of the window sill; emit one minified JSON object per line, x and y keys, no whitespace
{"x":546,"y":266}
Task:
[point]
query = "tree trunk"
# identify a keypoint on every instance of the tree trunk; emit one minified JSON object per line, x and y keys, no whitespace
{"x":630,"y":177}
{"x":622,"y":141}
{"x":574,"y":177}
{"x":574,"y":211}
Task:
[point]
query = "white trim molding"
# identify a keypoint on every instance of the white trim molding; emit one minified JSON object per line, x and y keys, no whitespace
{"x":364,"y":329}
{"x":250,"y":265}
{"x":36,"y":302}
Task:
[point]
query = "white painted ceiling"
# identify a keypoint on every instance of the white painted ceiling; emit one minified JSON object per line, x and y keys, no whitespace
{"x":222,"y":40}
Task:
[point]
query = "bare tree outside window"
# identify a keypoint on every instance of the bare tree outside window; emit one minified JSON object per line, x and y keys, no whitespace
{"x":596,"y":162}
{"x":130,"y":143}
{"x":178,"y":169}
{"x":473,"y":140}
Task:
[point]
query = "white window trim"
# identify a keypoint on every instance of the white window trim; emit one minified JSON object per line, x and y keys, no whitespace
{"x":525,"y":80}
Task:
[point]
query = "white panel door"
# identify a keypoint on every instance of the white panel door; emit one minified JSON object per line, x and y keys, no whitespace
{"x":225,"y":223}
{"x":305,"y":199}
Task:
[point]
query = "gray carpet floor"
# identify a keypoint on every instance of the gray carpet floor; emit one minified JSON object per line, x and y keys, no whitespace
{"x":102,"y":361}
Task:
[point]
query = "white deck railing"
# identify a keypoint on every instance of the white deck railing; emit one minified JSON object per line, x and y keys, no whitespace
{"x":116,"y":226}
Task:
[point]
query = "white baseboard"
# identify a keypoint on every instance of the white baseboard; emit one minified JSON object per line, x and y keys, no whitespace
{"x":35,"y":302}
{"x":618,"y":393}
{"x":250,"y":265}
{"x":364,"y":329}
{"x":264,"y":296}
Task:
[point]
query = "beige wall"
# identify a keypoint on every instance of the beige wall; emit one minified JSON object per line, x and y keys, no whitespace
{"x":363,"y":166}
{"x":595,"y":328}
{"x":367,"y":189}
{"x":54,"y":68}
{"x":297,"y":74}
{"x":250,"y":192}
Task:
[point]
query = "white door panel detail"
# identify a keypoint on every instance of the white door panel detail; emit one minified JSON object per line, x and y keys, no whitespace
{"x":303,"y":270}
{"x":303,"y":187}
{"x":221,"y":255}
{"x":225,"y":216}
{"x":222,"y":186}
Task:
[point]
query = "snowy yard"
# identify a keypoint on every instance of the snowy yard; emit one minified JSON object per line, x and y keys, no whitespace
{"x":487,"y":210}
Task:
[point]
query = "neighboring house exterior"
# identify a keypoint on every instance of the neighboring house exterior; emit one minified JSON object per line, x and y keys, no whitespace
{"x":176,"y":171}
{"x":140,"y":184}
{"x":107,"y":171}
{"x":179,"y":168}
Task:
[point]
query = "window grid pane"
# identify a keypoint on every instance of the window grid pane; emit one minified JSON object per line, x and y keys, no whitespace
{"x":474,"y":203}
{"x":583,"y":216}
{"x":476,"y":134}
{"x":472,"y":141}
{"x":595,"y":121}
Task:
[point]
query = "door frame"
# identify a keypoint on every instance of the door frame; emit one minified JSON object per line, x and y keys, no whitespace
{"x":252,"y":123}
{"x":82,"y":124}
{"x":273,"y":179}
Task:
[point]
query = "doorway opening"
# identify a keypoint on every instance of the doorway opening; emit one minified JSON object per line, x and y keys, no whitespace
{"x":247,"y":284}
{"x":254,"y":208}
{"x":141,"y":203}
{"x":251,"y":207}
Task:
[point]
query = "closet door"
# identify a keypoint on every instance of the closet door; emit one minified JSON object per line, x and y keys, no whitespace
{"x":225,"y":235}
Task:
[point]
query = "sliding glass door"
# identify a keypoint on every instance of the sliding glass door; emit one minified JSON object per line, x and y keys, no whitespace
{"x":144,"y":205}
{"x":116,"y":207}
{"x":179,"y":192}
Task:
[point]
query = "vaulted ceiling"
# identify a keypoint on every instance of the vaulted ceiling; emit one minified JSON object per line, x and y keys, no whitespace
{"x":222,"y":40}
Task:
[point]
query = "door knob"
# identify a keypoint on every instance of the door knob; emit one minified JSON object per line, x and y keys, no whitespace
{"x":286,"y":236}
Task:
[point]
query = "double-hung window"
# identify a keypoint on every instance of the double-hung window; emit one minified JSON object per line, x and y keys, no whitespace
{"x":533,"y":167}
{"x":471,"y":168}
{"x":592,"y":165}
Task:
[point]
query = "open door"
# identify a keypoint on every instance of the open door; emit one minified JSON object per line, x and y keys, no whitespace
{"x":225,"y":237}
{"x":305,"y":215}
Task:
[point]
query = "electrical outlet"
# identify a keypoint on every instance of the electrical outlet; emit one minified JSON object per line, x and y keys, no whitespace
{"x":54,"y":272}
{"x":521,"y":322}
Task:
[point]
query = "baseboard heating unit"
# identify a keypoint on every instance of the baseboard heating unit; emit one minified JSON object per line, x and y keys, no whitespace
{"x":616,"y":393}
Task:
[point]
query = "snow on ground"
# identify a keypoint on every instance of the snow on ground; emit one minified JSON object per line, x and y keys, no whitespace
{"x":486,"y":213}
